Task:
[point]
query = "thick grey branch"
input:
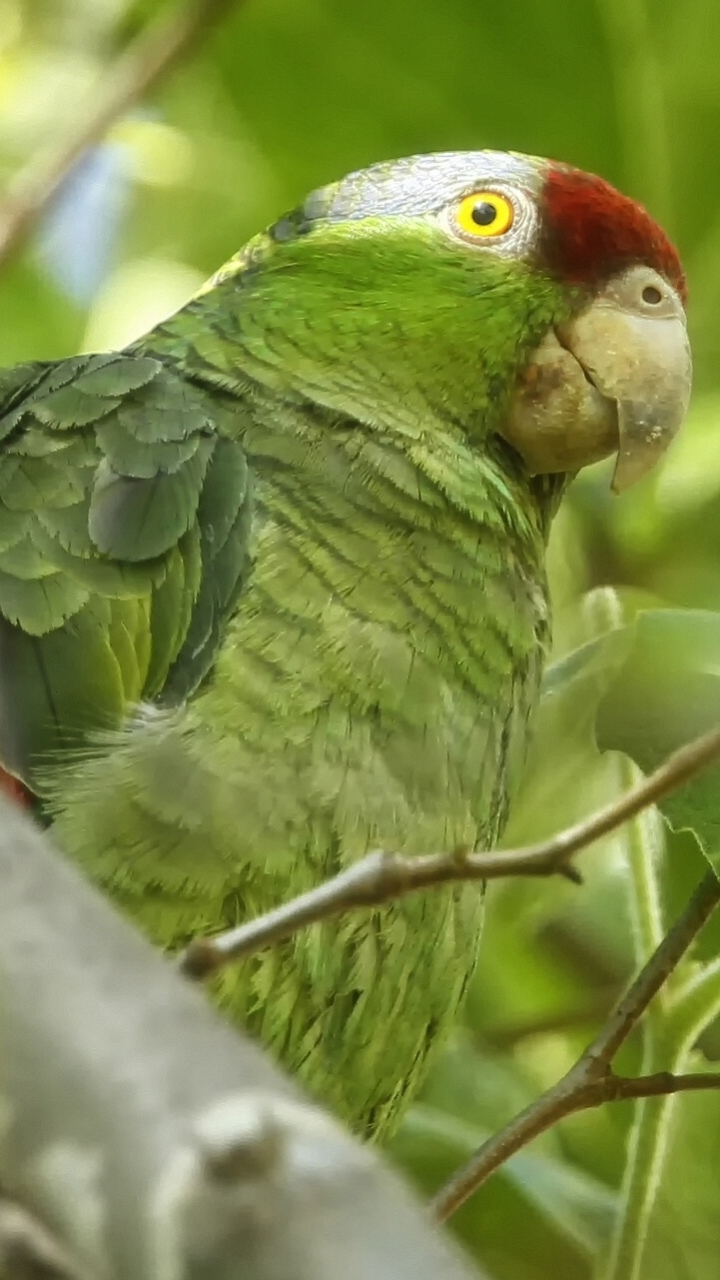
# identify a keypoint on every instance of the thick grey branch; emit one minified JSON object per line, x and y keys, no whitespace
{"x":153,"y":1138}
{"x":591,"y":1081}
{"x":382,"y":877}
{"x":28,"y":1251}
{"x":138,"y":69}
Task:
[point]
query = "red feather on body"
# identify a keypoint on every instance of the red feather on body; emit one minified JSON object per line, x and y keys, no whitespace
{"x":591,"y":231}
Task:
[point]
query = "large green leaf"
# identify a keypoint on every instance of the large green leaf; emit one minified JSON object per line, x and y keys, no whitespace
{"x":647,"y":688}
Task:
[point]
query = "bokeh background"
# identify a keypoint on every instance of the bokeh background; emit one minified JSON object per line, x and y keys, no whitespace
{"x":287,"y":95}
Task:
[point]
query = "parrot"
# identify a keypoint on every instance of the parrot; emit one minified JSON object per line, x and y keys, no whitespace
{"x":273,"y":583}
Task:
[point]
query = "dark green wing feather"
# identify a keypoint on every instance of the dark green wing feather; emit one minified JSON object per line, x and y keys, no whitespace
{"x":124,"y":529}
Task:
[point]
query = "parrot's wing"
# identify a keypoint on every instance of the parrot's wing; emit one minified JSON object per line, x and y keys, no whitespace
{"x":124,"y":528}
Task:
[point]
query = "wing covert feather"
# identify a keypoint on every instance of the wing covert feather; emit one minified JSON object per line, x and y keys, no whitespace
{"x":124,"y":542}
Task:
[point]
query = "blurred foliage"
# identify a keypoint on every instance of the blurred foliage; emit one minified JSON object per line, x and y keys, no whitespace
{"x":289,"y":94}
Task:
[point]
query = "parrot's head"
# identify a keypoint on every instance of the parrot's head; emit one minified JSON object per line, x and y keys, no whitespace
{"x":518,"y":299}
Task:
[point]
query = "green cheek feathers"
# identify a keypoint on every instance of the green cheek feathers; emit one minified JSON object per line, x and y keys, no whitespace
{"x":369,"y":319}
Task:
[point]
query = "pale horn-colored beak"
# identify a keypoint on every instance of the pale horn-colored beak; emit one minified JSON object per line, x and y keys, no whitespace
{"x":615,"y":378}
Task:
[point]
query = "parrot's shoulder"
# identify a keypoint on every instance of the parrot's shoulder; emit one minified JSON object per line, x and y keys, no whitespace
{"x":73,"y":391}
{"x":153,"y":398}
{"x":124,"y":536}
{"x":18,"y":382}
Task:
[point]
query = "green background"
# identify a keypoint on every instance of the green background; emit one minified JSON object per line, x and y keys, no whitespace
{"x":287,"y":95}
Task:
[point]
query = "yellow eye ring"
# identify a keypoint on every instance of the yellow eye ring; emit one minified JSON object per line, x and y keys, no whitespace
{"x":484,"y":214}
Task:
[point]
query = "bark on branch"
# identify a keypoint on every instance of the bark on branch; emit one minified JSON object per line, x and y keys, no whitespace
{"x":143,"y":1137}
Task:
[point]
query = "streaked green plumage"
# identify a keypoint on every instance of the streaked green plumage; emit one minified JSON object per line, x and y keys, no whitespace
{"x":375,"y":683}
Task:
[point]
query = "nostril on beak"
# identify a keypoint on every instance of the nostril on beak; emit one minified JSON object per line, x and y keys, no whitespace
{"x":642,"y":291}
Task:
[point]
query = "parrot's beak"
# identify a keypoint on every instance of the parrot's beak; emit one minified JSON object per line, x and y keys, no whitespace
{"x":632,"y":344}
{"x":614,"y":379}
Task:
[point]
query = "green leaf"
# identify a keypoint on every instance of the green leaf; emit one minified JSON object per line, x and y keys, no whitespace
{"x":684,"y":1230}
{"x":650,"y":687}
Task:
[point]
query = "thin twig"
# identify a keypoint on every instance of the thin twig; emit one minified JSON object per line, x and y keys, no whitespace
{"x":382,"y":877}
{"x":591,"y":1080}
{"x":137,"y":70}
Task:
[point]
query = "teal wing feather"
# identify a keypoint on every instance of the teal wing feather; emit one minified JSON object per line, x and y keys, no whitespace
{"x":124,"y":528}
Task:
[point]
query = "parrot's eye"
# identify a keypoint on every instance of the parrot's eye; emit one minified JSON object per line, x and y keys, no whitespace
{"x":499,"y":220}
{"x":484,"y":214}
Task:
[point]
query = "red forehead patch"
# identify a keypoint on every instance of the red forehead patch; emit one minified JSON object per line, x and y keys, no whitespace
{"x":591,"y":231}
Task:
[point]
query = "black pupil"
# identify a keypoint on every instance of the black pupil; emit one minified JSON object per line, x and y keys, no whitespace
{"x":484,"y":213}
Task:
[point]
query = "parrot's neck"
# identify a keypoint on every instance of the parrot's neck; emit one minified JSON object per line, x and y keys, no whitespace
{"x":429,"y":346}
{"x":429,"y":448}
{"x":398,"y":603}
{"x":393,"y":629}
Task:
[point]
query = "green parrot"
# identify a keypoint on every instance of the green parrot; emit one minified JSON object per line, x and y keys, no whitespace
{"x":328,"y":481}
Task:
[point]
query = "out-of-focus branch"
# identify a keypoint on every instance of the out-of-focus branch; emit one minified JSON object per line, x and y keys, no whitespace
{"x":592,"y":1081}
{"x":382,"y":877}
{"x":137,"y":70}
{"x":28,"y":1251}
{"x":152,"y":1138}
{"x":507,"y":1035}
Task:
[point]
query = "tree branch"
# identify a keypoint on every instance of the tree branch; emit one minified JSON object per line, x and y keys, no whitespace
{"x":591,"y":1081}
{"x":382,"y":877}
{"x":144,"y":1137}
{"x":27,"y":1249}
{"x":137,"y":70}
